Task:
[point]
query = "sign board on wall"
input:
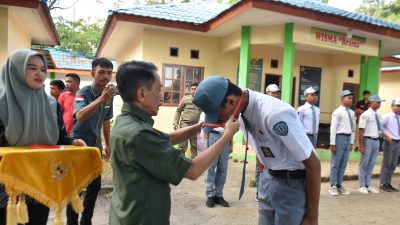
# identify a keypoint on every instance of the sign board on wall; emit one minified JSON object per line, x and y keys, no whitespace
{"x":255,"y":74}
{"x":335,"y":39}
{"x":309,"y":77}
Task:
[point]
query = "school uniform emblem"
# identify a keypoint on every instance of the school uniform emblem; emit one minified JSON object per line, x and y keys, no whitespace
{"x":281,"y":128}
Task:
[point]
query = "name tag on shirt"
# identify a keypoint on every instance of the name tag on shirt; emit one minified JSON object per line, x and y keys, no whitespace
{"x":267,"y":152}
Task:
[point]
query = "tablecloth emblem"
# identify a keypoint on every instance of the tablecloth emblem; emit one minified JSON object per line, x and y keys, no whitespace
{"x":60,"y":169}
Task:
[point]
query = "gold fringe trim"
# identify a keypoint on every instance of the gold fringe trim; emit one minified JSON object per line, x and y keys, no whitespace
{"x":14,"y":185}
{"x":12,"y":210}
{"x":22,"y":210}
{"x":59,"y":219}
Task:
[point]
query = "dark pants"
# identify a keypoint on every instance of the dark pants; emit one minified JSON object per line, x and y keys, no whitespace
{"x":89,"y":201}
{"x":38,"y":214}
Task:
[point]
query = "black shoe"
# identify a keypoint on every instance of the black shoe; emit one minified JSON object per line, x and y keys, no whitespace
{"x":393,"y":188}
{"x":210,"y":202}
{"x":221,"y":201}
{"x":386,"y":187}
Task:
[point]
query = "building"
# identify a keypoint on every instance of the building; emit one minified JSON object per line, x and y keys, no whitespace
{"x":23,"y":23}
{"x":295,"y":43}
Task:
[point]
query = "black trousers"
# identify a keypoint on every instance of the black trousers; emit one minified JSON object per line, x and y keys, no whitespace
{"x":89,"y":202}
{"x":38,"y":214}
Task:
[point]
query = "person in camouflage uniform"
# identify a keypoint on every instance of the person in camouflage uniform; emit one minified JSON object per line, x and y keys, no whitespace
{"x":187,"y":114}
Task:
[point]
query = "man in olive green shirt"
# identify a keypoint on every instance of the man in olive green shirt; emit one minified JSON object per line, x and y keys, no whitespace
{"x":144,"y":161}
{"x":187,"y":114}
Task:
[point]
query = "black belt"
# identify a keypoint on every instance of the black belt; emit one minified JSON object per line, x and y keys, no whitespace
{"x":375,"y":139}
{"x":395,"y":140}
{"x":215,"y":132}
{"x":344,"y":134}
{"x":311,"y":134}
{"x":287,"y":174}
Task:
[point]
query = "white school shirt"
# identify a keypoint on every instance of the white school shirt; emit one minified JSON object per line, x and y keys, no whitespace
{"x":275,"y":133}
{"x":390,"y":126}
{"x":306,"y":117}
{"x":369,"y":124}
{"x":340,"y":124}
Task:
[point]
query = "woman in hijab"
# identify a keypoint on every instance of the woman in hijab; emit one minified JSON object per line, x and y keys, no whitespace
{"x":28,"y":116}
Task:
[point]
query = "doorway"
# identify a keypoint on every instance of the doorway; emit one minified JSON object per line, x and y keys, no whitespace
{"x":277,"y":79}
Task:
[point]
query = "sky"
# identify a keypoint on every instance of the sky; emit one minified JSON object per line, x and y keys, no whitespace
{"x":84,"y":8}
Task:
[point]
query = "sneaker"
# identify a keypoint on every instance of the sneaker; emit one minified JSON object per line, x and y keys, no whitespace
{"x":210,"y":202}
{"x":373,"y":190}
{"x":221,"y":201}
{"x":343,"y":191}
{"x":363,"y":190}
{"x":333,"y":191}
{"x":393,"y":188}
{"x":385,"y":187}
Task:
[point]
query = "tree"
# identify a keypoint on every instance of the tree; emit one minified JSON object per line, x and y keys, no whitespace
{"x":385,"y":9}
{"x":78,"y":37}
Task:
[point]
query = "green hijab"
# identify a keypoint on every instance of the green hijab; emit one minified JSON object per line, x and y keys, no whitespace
{"x":28,"y":115}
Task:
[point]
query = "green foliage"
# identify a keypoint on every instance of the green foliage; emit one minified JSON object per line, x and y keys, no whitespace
{"x":78,"y":36}
{"x":385,"y":9}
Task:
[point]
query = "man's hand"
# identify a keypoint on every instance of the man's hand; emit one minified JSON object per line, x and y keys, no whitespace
{"x":389,"y":141}
{"x":309,"y":221}
{"x":107,"y":152}
{"x":361,"y":149}
{"x":79,"y":142}
{"x":107,"y":94}
{"x":175,"y":127}
{"x":231,"y":126}
{"x":333,"y":149}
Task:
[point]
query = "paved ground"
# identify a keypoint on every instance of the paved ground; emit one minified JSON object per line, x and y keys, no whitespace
{"x":188,"y":203}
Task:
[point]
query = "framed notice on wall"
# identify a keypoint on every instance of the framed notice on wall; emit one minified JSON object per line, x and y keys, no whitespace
{"x":255,"y":74}
{"x":309,"y":77}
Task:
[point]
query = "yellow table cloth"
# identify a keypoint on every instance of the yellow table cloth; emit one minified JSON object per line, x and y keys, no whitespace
{"x":53,"y":175}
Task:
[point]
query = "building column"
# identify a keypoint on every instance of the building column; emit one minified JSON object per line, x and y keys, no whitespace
{"x":288,"y":64}
{"x":244,"y":69}
{"x":52,"y":75}
{"x":3,"y":35}
{"x":373,"y":72}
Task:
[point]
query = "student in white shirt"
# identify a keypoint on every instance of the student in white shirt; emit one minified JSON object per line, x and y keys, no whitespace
{"x":391,"y":146}
{"x":341,"y":141}
{"x":369,"y":133}
{"x":289,"y":187}
{"x":309,"y":114}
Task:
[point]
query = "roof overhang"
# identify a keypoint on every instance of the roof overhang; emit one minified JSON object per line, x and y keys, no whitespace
{"x":255,"y":13}
{"x":35,"y":16}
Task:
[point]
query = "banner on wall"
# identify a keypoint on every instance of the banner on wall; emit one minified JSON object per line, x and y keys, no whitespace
{"x":335,"y":39}
{"x":255,"y":74}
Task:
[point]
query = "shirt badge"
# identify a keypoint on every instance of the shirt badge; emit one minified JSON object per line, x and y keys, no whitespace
{"x":281,"y":128}
{"x":267,"y":152}
{"x":79,"y":98}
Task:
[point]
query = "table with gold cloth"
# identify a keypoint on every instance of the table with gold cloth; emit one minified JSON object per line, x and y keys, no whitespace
{"x":52,"y":175}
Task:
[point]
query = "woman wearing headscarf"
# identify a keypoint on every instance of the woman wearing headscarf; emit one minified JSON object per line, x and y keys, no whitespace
{"x":28,"y":116}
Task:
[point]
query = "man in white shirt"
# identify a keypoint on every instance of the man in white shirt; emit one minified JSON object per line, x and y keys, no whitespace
{"x":273,"y":90}
{"x":341,"y":141}
{"x":274,"y":131}
{"x":309,"y":114}
{"x":369,"y":133}
{"x":391,"y":146}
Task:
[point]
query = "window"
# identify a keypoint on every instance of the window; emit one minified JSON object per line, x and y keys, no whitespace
{"x":194,"y":54}
{"x":274,"y":63}
{"x":174,"y":52}
{"x":177,"y":80}
{"x":350,"y":73}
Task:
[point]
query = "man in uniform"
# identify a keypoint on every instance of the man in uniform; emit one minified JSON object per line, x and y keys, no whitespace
{"x":341,"y":141}
{"x":369,"y":132}
{"x":66,"y":100}
{"x":273,"y":90}
{"x":186,"y":115}
{"x":92,"y":111}
{"x":309,"y":115}
{"x":276,"y":134}
{"x":144,"y":160}
{"x":391,"y":146}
